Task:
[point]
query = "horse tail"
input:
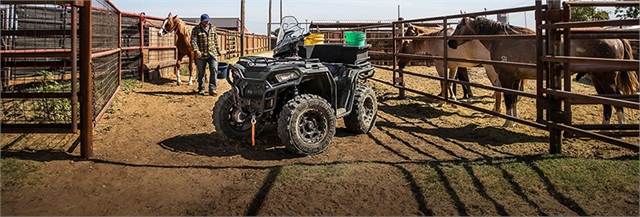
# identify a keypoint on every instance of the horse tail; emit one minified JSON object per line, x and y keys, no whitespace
{"x":627,"y":80}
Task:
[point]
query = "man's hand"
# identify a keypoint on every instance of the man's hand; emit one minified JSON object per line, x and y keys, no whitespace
{"x":197,"y":54}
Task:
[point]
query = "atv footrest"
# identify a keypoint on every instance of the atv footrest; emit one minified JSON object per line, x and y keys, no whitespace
{"x":341,"y":112}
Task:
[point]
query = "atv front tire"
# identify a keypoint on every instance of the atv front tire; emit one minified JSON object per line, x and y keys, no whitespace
{"x":307,"y":124}
{"x":363,"y":114}
{"x":230,"y":121}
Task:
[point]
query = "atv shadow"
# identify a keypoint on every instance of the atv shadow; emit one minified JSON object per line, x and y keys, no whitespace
{"x":267,"y":146}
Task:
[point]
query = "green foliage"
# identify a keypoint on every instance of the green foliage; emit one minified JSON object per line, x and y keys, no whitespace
{"x":52,"y":109}
{"x":129,"y":85}
{"x":588,"y":14}
{"x":627,"y":12}
{"x":275,"y":32}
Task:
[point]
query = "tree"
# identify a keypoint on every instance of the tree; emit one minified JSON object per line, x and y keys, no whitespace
{"x":588,"y":14}
{"x":275,"y":32}
{"x":627,"y":12}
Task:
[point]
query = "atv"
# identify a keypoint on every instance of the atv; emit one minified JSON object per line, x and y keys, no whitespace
{"x":303,"y":89}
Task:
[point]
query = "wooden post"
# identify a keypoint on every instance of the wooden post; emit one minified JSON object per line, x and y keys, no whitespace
{"x":554,"y":114}
{"x":86,"y":81}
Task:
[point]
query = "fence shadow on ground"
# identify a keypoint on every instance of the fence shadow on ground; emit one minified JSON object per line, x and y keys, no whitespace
{"x":215,"y":146}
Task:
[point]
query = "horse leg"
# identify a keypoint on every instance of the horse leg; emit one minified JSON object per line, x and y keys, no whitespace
{"x":191,"y":62}
{"x":179,"y":81}
{"x":495,"y":81}
{"x":463,"y":75}
{"x":510,"y":100}
{"x":452,"y":75}
{"x":454,"y":86}
{"x":605,"y":84}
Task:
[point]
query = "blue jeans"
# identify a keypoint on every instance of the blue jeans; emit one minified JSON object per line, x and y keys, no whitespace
{"x":213,"y":71}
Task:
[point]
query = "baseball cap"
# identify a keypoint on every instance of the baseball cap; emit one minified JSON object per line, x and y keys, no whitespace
{"x":204,"y":17}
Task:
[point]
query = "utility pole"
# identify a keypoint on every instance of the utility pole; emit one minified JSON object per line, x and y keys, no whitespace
{"x":242,"y":22}
{"x":280,"y":13}
{"x":269,"y":27}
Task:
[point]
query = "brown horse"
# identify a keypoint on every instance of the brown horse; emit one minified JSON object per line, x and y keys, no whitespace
{"x":472,"y":50}
{"x":523,"y":50}
{"x":461,"y":74}
{"x":183,"y":42}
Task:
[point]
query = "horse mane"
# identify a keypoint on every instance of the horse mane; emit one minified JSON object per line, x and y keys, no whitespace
{"x":423,"y":29}
{"x":186,"y":29}
{"x":490,"y":27}
{"x":436,"y":32}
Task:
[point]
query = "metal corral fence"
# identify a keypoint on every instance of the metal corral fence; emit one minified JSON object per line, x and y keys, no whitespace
{"x":62,"y":62}
{"x":145,"y":54}
{"x":60,"y":70}
{"x":553,"y":98}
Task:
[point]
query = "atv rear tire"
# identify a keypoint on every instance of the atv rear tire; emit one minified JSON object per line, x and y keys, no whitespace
{"x":307,"y":124}
{"x":230,"y":121}
{"x":363,"y":114}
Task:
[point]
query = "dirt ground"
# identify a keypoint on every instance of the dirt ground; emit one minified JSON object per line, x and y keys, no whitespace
{"x":157,"y":153}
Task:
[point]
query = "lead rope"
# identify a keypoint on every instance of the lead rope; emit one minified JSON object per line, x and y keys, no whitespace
{"x":253,"y":130}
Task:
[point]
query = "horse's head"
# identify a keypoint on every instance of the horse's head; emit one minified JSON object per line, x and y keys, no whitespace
{"x":406,"y":48}
{"x":414,"y":30}
{"x":168,"y":25}
{"x":466,"y":26}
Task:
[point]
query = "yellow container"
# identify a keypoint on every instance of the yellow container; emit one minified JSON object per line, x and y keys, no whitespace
{"x":315,"y":38}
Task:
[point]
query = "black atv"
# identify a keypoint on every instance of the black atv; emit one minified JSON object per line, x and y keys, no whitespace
{"x":302,"y":95}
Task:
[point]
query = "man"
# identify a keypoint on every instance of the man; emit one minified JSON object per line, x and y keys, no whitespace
{"x":204,"y":41}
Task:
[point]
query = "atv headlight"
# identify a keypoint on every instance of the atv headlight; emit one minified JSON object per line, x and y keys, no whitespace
{"x":282,"y":77}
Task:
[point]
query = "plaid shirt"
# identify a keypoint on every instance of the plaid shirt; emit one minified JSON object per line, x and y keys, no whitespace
{"x":203,"y":42}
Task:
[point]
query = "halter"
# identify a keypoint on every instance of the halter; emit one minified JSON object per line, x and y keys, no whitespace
{"x":165,"y":31}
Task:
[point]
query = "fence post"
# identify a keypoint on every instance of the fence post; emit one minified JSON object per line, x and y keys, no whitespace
{"x":554,"y":113}
{"x":399,"y":80}
{"x":142,"y":63}
{"x":86,"y":79}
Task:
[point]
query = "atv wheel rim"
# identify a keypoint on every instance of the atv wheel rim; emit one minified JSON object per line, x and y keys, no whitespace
{"x":369,"y":111}
{"x":237,"y":120}
{"x":312,"y":127}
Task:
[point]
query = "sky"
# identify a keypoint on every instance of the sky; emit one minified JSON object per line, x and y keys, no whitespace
{"x":257,"y":11}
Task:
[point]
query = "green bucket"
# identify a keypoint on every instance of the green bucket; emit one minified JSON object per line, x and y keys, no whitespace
{"x":354,"y":38}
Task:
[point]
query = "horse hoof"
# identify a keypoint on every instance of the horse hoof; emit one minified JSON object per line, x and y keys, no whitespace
{"x":508,"y":125}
